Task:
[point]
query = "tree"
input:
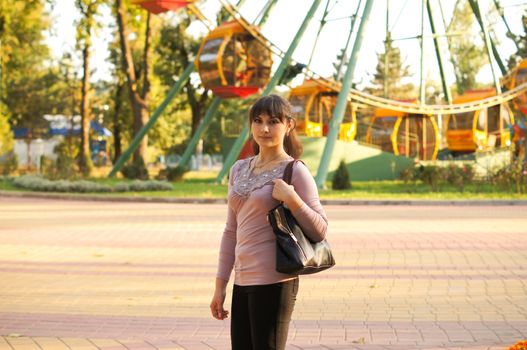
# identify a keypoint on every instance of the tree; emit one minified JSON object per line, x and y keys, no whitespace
{"x":87,"y":23}
{"x":22,"y":54}
{"x":341,"y":178}
{"x":25,"y":66}
{"x":340,"y":65}
{"x":6,"y":136}
{"x":119,"y":105}
{"x":174,"y":50}
{"x":467,"y":58}
{"x":139,"y":97}
{"x":397,"y":72}
{"x":521,"y":40}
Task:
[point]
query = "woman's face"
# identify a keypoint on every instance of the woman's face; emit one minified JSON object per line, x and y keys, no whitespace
{"x":269,"y":131}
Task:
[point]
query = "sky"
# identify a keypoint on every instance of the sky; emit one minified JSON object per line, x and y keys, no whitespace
{"x":404,"y":21}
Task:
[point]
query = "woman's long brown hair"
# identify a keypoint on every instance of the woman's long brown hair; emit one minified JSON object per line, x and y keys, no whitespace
{"x":278,"y":107}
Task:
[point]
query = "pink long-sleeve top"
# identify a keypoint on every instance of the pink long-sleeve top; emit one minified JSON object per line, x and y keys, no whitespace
{"x":248,"y":244}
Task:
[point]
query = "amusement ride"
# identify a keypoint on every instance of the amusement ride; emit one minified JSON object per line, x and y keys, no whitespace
{"x":334,"y":119}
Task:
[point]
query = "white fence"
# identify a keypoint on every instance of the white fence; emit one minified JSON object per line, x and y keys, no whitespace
{"x":32,"y":151}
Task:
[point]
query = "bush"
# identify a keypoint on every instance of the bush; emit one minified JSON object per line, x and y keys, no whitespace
{"x":64,"y":167}
{"x":432,"y":175}
{"x":38,"y":183}
{"x":176,"y":174}
{"x":10,"y":164}
{"x":121,"y":187}
{"x":140,"y":186}
{"x":512,"y":178}
{"x":459,"y":176}
{"x":341,"y":179}
{"x":172,"y":173}
{"x":135,"y":171}
{"x":410,"y":175}
{"x":84,"y":186}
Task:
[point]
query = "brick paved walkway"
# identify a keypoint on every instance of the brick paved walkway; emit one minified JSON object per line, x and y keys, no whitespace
{"x":97,"y":275}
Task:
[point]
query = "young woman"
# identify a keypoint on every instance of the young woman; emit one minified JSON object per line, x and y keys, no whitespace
{"x":263,"y":299}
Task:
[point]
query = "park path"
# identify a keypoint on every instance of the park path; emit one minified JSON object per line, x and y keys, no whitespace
{"x":100,"y":275}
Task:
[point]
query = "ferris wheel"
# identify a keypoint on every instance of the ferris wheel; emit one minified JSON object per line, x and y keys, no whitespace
{"x":236,"y":59}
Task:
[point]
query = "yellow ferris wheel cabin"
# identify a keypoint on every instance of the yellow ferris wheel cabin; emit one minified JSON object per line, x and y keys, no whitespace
{"x":483,"y":129}
{"x":405,"y":134}
{"x":313,"y":104}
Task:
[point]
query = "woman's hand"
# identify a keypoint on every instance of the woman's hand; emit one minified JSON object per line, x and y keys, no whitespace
{"x":281,"y":190}
{"x":216,"y":305}
{"x":287,"y":194}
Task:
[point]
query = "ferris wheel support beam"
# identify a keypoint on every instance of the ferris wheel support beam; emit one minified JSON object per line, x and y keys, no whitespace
{"x":422,"y":97}
{"x":267,"y":11}
{"x":488,"y":47}
{"x":509,"y":31}
{"x":244,"y":134}
{"x":474,"y":4}
{"x":204,"y":123}
{"x":439,"y":55}
{"x":342,"y":100}
{"x":457,"y":73}
{"x":352,"y":25}
{"x":387,"y":44}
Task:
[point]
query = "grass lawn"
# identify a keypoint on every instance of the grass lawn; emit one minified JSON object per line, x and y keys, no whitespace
{"x":400,"y":190}
{"x":201,"y":185}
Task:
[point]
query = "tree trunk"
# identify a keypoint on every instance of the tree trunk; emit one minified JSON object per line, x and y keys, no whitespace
{"x":138,"y":104}
{"x":117,"y":124}
{"x":139,"y":123}
{"x":84,"y":155}
{"x":196,"y":105}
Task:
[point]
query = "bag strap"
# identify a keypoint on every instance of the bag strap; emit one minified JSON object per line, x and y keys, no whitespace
{"x":288,"y":172}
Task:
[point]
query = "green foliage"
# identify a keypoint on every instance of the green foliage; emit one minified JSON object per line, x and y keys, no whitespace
{"x":47,"y":166}
{"x":432,"y":176}
{"x":340,"y":65}
{"x":409,"y":175}
{"x":8,"y":163}
{"x":176,"y":173}
{"x":136,"y":170}
{"x":174,"y":51}
{"x":512,"y":178}
{"x":64,"y":167}
{"x":397,"y":73}
{"x":88,"y":21}
{"x":467,"y":57}
{"x":152,"y":185}
{"x":37,"y":183}
{"x":6,"y":135}
{"x":234,"y":114}
{"x":459,"y":176}
{"x":36,"y":94}
{"x":86,"y":25}
{"x":22,"y":58}
{"x":341,"y":179}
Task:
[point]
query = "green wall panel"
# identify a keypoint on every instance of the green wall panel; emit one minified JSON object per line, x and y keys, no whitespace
{"x":364,"y":163}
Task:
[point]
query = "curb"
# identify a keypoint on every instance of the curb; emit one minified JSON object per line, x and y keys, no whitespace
{"x":346,"y":202}
{"x":102,"y":198}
